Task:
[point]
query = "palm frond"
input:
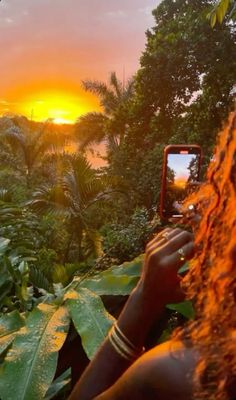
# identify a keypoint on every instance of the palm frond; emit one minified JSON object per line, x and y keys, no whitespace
{"x":39,"y":279}
{"x":70,"y":186}
{"x":15,"y":138}
{"x":129,"y":89}
{"x":51,"y":199}
{"x":117,"y":85}
{"x":96,"y":87}
{"x":107,"y":97}
{"x":91,"y":190}
{"x":81,"y":166}
{"x":32,"y":139}
{"x":90,"y":129}
{"x":105,"y":189}
{"x":76,"y":179}
{"x":112,"y":143}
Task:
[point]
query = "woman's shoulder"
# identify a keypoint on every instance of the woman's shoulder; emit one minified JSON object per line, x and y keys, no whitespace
{"x":169,"y":368}
{"x":165,"y":372}
{"x":171,"y":353}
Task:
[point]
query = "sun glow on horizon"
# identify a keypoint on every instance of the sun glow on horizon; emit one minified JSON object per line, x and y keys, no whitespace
{"x":61,"y":107}
{"x":58,"y":106}
{"x":181,"y":181}
{"x":61,"y":121}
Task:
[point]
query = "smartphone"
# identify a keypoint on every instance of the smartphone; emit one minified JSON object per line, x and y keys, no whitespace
{"x":181,"y":170}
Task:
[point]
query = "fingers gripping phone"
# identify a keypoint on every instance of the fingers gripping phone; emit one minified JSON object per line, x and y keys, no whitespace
{"x":181,"y":170}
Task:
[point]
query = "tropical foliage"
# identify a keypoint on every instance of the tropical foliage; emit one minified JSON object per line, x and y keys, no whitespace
{"x":29,"y":344}
{"x":72,"y":236}
{"x":29,"y":142}
{"x":221,"y":8}
{"x":184,"y":90}
{"x":111,"y":125}
{"x":73,"y":197}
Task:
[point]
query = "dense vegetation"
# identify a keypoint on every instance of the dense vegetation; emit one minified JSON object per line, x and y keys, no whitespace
{"x":65,"y":227}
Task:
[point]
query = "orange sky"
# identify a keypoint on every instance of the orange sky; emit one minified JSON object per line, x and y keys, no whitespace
{"x":181,"y":181}
{"x":49,"y":46}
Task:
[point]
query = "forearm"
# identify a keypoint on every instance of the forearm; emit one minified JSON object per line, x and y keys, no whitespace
{"x":138,"y":316}
{"x":107,"y":366}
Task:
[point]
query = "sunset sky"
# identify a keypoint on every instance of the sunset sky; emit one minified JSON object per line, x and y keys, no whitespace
{"x":179,"y":163}
{"x":49,"y":46}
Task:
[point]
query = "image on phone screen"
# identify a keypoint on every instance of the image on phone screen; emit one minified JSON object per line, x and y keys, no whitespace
{"x":182,"y":171}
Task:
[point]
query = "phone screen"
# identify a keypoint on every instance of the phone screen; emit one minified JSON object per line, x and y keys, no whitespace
{"x":182,"y":170}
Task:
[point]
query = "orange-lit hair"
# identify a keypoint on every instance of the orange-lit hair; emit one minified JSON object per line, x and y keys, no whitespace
{"x":211,"y":281}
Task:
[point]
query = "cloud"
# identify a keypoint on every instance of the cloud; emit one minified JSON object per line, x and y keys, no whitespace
{"x":68,"y":40}
{"x":9,"y":20}
{"x":7,"y":103}
{"x":116,"y":14}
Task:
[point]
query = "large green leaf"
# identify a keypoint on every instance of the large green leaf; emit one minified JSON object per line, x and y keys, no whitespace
{"x":3,"y":245}
{"x":184,"y":268}
{"x":185,"y":308}
{"x":9,"y":325}
{"x":111,"y":285}
{"x":59,"y":385}
{"x":90,"y":318}
{"x":219,"y":11}
{"x":30,"y":365}
{"x":5,"y":287}
{"x":118,"y":280}
{"x":130,"y":268}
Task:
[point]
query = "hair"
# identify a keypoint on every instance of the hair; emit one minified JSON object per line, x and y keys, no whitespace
{"x":211,"y":280}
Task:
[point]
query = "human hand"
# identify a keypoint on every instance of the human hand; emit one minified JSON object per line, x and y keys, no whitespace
{"x":165,"y":254}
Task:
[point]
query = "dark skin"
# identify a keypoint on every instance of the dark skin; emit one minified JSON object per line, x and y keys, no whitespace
{"x":162,"y":373}
{"x":165,"y":371}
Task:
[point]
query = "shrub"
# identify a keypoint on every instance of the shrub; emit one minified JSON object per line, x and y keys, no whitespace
{"x":124,"y":242}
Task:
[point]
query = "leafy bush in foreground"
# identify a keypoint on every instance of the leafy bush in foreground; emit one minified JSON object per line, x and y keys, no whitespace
{"x":30,"y":342}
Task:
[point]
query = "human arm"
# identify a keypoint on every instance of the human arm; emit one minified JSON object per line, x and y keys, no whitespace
{"x":159,"y":284}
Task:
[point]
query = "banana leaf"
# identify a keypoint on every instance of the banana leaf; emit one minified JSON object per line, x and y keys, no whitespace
{"x":30,"y":364}
{"x":90,"y":318}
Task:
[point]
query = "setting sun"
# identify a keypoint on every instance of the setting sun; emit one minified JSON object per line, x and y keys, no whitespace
{"x":61,"y":121}
{"x":62,"y":108}
{"x":181,"y":182}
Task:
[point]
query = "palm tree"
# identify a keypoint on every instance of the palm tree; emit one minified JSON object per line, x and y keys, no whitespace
{"x":220,"y":9}
{"x":109,"y":125}
{"x":73,"y":197}
{"x":29,"y":140}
